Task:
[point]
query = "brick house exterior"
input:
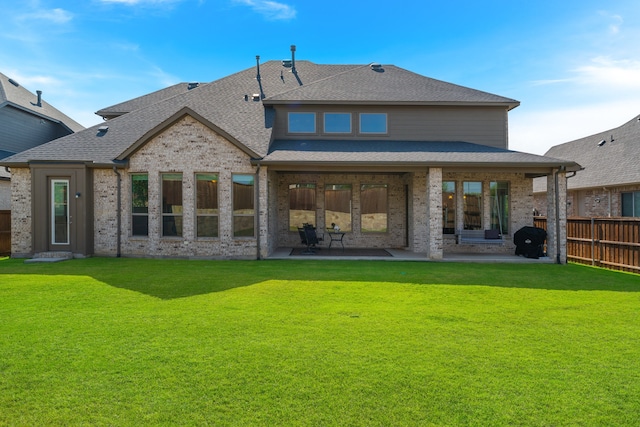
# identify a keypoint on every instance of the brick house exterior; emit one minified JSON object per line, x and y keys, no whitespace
{"x":609,"y":183}
{"x":230,"y":169}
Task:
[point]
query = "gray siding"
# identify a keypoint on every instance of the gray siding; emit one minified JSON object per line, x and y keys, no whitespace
{"x":479,"y":125}
{"x":20,"y":130}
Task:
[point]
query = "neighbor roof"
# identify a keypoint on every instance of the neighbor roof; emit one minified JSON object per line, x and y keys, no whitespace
{"x":14,"y":95}
{"x":613,"y":162}
{"x":240,"y":107}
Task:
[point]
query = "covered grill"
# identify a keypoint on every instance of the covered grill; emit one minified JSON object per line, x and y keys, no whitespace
{"x":529,"y":242}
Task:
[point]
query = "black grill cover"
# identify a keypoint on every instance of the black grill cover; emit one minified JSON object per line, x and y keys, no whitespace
{"x":529,"y":241}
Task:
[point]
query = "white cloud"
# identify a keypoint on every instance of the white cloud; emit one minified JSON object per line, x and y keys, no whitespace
{"x":604,"y":71}
{"x":56,"y":16}
{"x":615,"y":21}
{"x":271,"y":9}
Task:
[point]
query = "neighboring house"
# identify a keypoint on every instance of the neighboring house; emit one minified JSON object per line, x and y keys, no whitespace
{"x":232,"y":168}
{"x":26,"y":121}
{"x":609,"y":185}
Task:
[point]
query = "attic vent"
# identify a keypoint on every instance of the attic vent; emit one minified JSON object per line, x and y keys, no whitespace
{"x":256,"y":96}
{"x":286,"y":63}
{"x":601,"y":143}
{"x":13,"y":82}
{"x":376,"y":67}
{"x":102,"y":130}
{"x":192,"y":85}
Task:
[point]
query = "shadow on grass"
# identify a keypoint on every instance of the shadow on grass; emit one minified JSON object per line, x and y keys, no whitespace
{"x":169,"y":279}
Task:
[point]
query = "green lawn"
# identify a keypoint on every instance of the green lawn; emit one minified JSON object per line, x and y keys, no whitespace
{"x":310,"y":343}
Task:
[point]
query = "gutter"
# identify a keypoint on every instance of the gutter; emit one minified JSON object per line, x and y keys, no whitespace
{"x":118,"y":212}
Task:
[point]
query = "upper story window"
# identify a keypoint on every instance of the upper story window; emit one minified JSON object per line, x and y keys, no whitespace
{"x":337,"y":122}
{"x":373,"y":123}
{"x":302,"y":122}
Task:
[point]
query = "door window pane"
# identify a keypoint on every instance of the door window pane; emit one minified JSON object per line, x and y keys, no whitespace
{"x":140,"y":205}
{"x":448,"y":207}
{"x":172,"y":204}
{"x":499,"y":206}
{"x":373,"y":208}
{"x":472,"y":197}
{"x":302,"y":205}
{"x":60,"y":212}
{"x":337,"y":206}
{"x":243,"y":206}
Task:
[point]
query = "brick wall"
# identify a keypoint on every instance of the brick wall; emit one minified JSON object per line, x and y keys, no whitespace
{"x":21,"y":224}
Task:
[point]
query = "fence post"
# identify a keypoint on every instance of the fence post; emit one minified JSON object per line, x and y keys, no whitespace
{"x":593,"y":241}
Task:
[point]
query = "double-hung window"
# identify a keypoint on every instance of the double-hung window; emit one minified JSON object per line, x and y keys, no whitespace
{"x":172,"y":204}
{"x":243,"y":206}
{"x":140,"y":205}
{"x":207,"y":205}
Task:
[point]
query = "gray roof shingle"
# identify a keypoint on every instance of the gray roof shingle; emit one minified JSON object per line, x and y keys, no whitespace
{"x":613,"y":163}
{"x":12,"y":93}
{"x":228,"y":105}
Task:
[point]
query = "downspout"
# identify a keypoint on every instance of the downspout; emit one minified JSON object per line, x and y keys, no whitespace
{"x":557,"y":208}
{"x":118,"y":212}
{"x":258,"y":212}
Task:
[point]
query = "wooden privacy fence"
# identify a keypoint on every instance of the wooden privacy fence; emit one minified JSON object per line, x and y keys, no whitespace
{"x":612,"y":243}
{"x":5,"y":233}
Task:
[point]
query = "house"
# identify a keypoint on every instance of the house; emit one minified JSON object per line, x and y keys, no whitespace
{"x":26,"y":121}
{"x":609,"y":185}
{"x":232,"y":168}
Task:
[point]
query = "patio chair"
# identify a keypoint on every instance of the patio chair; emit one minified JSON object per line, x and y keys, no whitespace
{"x":309,"y":237}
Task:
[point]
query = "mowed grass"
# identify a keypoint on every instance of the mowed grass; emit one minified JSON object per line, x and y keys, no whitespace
{"x":310,"y":343}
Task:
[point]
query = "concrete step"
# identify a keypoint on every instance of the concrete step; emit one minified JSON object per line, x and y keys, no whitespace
{"x":52,"y":256}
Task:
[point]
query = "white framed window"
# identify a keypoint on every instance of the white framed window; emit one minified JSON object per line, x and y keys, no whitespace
{"x":337,"y":122}
{"x":373,"y":123}
{"x":302,"y":122}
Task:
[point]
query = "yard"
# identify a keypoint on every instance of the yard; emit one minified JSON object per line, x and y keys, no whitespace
{"x":311,"y":343}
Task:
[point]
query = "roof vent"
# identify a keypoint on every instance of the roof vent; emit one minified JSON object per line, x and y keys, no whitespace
{"x":286,"y":63}
{"x":256,"y":96}
{"x":102,"y":130}
{"x":601,"y":143}
{"x":376,"y":67}
{"x":13,"y":82}
{"x":192,"y":85}
{"x":39,"y":102}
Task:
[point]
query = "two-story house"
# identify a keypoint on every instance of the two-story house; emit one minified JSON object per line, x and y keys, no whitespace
{"x":231,"y":169}
{"x":26,"y":121}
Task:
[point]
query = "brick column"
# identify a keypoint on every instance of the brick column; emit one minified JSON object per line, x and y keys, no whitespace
{"x":418,"y":224}
{"x":557,"y":217}
{"x":434,"y":213}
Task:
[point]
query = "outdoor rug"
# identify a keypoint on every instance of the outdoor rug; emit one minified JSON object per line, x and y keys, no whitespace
{"x":339,"y":252}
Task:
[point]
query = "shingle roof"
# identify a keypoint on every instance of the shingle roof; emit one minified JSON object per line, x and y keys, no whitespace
{"x":386,"y":84}
{"x":228,"y":105}
{"x":12,"y":93}
{"x":146,"y":100}
{"x":430,"y":153}
{"x":612,"y":163}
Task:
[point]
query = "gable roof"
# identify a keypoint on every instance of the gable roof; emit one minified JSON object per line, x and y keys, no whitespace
{"x":14,"y":95}
{"x":240,"y":107}
{"x":612,"y":163}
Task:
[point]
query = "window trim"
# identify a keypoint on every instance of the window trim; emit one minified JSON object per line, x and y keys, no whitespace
{"x":305,"y":132}
{"x":365,"y":132}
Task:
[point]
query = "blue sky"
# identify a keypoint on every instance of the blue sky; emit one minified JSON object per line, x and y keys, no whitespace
{"x":573,"y":65}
